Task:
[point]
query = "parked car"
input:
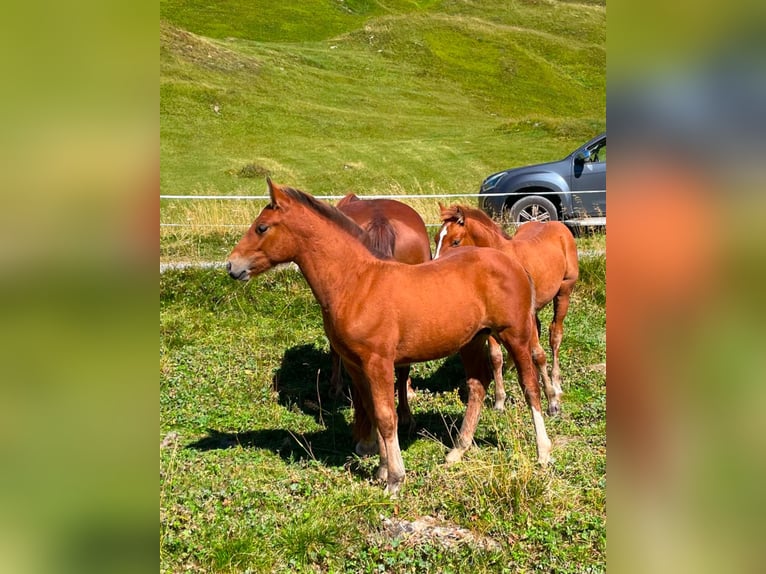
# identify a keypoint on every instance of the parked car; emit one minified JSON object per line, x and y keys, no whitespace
{"x":572,"y":190}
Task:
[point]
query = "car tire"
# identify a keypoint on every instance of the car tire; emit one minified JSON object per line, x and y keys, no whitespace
{"x":533,"y":208}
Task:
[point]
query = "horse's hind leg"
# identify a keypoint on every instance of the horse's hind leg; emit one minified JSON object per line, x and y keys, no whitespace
{"x":496,"y":358}
{"x":552,"y":393}
{"x":556,"y":332}
{"x":519,"y":347}
{"x":474,"y":357}
{"x":403,"y":390}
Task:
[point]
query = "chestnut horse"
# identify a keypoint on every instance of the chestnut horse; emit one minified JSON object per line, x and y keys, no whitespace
{"x":549,"y":254}
{"x":379,"y":313}
{"x":405,"y":239}
{"x":394,"y":230}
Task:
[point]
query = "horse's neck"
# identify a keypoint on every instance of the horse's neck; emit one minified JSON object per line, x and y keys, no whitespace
{"x":486,"y":237}
{"x":330,"y":260}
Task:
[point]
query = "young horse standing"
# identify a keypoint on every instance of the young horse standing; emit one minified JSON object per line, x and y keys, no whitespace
{"x":401,"y":314}
{"x":393,"y":230}
{"x":549,"y":254}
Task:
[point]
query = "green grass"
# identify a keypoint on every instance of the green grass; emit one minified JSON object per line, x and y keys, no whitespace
{"x":257,"y":471}
{"x":385,"y":98}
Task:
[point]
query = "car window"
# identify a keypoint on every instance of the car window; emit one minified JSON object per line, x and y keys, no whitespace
{"x":598,"y":153}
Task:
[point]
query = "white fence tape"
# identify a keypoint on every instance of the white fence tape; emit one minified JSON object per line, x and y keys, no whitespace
{"x":404,"y":196}
{"x":593,"y":222}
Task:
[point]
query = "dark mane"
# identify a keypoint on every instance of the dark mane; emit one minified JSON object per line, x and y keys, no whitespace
{"x":488,"y":221}
{"x":327,"y":211}
{"x":477,"y":215}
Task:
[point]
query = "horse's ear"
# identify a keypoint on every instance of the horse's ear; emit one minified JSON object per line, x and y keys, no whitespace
{"x":275,"y":193}
{"x":460,"y":215}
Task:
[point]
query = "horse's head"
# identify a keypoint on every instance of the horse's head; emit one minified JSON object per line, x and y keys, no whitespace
{"x":267,"y":242}
{"x":452,"y":232}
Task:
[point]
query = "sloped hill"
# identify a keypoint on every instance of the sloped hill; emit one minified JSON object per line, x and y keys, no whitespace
{"x":332,"y":95}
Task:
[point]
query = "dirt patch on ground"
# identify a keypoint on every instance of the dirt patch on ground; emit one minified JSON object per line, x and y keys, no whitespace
{"x":429,"y":530}
{"x":202,"y":51}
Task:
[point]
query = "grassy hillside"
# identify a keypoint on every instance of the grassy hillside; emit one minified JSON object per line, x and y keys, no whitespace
{"x":402,"y":97}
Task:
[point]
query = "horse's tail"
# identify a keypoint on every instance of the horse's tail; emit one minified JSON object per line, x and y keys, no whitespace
{"x":380,"y":237}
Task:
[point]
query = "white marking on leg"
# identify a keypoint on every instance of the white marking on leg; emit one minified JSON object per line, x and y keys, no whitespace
{"x":442,"y":234}
{"x":543,"y":442}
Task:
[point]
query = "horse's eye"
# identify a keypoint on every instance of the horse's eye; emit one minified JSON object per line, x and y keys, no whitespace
{"x":456,"y":243}
{"x":261,"y":229}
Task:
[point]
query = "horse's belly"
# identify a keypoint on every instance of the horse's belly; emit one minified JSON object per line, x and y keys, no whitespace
{"x":434,"y":342}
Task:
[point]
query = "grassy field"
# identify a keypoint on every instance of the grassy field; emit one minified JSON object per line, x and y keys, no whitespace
{"x":331,"y":96}
{"x":256,"y":466}
{"x":337,"y":96}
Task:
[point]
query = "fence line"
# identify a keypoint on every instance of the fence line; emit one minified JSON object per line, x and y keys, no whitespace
{"x":591,"y":221}
{"x":595,"y":222}
{"x":403,"y":196}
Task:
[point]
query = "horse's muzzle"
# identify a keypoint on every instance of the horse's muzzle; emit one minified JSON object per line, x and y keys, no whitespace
{"x":237,"y":273}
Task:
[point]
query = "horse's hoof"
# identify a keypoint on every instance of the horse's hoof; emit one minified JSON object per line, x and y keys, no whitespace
{"x":455,"y":455}
{"x":545,"y":461}
{"x":382,"y":473}
{"x":499,"y":406}
{"x":392,"y":488}
{"x":544,"y":457}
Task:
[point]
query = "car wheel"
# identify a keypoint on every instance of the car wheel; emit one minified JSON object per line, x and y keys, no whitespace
{"x":533,"y":208}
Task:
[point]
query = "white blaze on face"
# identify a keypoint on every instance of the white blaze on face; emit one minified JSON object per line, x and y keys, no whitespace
{"x":442,"y":235}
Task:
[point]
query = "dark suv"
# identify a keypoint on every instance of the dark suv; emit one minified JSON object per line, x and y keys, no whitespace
{"x":572,"y":190}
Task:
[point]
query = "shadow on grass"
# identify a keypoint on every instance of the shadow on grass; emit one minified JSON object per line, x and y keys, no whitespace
{"x":447,"y":377}
{"x":326,"y":447}
{"x":302,"y":383}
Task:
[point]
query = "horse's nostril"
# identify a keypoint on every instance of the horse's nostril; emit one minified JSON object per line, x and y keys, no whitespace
{"x":228,"y":266}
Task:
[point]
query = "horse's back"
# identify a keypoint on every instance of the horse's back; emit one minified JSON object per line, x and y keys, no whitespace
{"x":470,"y":274}
{"x":549,"y":253}
{"x":471,"y":287}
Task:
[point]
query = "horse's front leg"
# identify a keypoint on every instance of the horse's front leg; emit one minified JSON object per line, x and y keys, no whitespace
{"x":364,"y":430}
{"x":378,"y":372}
